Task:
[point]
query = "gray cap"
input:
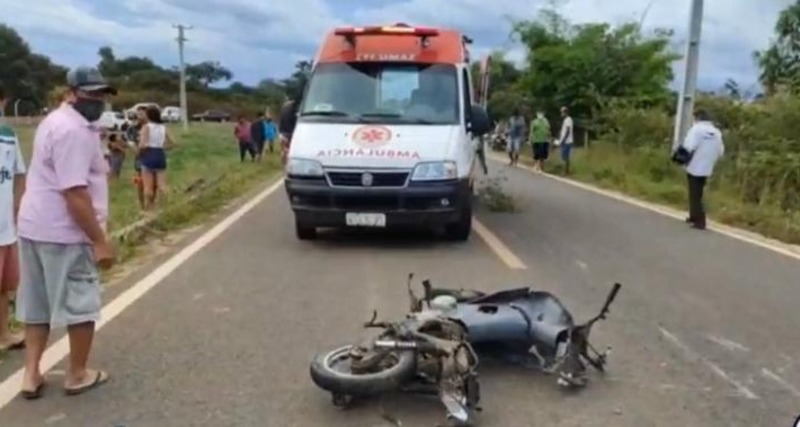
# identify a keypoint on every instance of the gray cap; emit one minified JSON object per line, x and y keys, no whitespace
{"x":90,"y":80}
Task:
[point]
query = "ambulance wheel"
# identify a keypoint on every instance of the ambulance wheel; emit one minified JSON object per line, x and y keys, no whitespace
{"x":304,"y":231}
{"x":459,"y":231}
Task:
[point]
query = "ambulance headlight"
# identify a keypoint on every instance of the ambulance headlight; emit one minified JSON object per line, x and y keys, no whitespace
{"x":435,"y":171}
{"x":304,"y":167}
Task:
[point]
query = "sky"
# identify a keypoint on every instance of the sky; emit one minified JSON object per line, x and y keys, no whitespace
{"x":264,"y":38}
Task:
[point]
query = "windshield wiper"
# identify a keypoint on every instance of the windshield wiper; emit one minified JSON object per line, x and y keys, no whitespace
{"x":401,"y":117}
{"x":330,"y":113}
{"x":389,"y":115}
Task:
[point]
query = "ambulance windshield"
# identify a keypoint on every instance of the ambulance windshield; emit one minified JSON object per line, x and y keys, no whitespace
{"x":397,"y":93}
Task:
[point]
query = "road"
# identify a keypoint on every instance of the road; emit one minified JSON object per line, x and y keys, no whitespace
{"x":704,"y":331}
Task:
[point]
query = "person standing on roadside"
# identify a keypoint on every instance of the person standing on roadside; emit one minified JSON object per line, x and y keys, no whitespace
{"x":516,"y":132}
{"x":540,"y":136}
{"x":257,"y":136}
{"x":132,"y":136}
{"x":270,"y":130}
{"x":704,"y":144}
{"x":12,"y":185}
{"x":286,"y":124}
{"x":62,"y":234}
{"x":242,"y":132}
{"x":116,"y":154}
{"x":154,"y":141}
{"x":565,"y":139}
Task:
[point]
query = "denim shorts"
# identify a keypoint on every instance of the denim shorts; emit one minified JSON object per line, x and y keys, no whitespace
{"x":566,"y":150}
{"x":153,"y":159}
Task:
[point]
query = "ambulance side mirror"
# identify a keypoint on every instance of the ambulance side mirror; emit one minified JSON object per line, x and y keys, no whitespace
{"x":479,"y":123}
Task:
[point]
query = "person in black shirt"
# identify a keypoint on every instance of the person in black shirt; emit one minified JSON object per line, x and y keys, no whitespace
{"x":286,"y":125}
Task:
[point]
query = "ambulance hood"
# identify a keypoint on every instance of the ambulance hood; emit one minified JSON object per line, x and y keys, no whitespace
{"x":373,"y":146}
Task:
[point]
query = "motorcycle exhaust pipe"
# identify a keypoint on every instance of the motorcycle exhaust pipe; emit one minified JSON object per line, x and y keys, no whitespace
{"x":406,"y":345}
{"x":396,"y":345}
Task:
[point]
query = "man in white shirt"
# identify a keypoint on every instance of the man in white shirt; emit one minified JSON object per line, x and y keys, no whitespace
{"x":565,"y":139}
{"x":12,"y":174}
{"x":704,"y":142}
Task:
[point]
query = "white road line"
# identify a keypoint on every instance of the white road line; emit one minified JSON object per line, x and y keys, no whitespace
{"x":498,"y":247}
{"x":791,"y":251}
{"x":728,"y":344}
{"x":741,"y":388}
{"x":11,"y":386}
{"x":782,"y":382}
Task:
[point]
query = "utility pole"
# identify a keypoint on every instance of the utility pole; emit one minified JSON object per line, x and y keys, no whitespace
{"x":181,"y":40}
{"x":683,"y":117}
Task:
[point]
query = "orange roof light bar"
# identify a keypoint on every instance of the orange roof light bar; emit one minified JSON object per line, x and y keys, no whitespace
{"x":395,"y":30}
{"x":350,"y":33}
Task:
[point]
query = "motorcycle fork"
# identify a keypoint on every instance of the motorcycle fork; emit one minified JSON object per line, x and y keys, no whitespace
{"x":459,"y":389}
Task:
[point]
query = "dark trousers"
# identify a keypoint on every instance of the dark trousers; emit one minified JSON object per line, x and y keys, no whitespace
{"x":697,"y":214}
{"x":244,"y":148}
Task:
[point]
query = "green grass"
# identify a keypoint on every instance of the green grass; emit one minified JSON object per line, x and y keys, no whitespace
{"x":648,"y":174}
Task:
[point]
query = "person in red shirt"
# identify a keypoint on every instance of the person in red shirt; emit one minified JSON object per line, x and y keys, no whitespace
{"x":242,"y":133}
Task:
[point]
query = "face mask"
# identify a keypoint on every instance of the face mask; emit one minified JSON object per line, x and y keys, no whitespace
{"x":540,"y":115}
{"x":90,"y":109}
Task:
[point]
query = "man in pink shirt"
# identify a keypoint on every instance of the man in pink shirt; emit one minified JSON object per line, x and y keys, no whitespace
{"x":62,"y":237}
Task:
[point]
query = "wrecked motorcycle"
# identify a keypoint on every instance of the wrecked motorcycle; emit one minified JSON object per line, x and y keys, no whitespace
{"x":435,"y":348}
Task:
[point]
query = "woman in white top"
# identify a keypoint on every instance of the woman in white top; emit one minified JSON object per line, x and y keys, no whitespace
{"x":154,"y":140}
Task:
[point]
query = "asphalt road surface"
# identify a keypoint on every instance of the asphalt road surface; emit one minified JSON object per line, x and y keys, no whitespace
{"x":704,"y":332}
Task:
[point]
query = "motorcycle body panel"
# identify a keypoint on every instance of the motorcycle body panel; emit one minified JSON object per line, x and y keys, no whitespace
{"x":515,"y":319}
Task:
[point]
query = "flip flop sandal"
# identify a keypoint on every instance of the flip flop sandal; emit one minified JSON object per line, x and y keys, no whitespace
{"x":33,"y":394}
{"x":13,"y":346}
{"x":99,"y":380}
{"x":17,"y":345}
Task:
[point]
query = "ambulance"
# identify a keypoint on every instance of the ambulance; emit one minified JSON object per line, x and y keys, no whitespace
{"x":387,"y":133}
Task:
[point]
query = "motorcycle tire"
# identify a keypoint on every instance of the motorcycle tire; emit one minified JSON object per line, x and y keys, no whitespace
{"x":334,"y":381}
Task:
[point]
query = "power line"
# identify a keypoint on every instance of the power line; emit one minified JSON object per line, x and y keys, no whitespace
{"x":181,"y":40}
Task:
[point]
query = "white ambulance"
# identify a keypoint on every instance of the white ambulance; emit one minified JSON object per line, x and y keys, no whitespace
{"x":387,"y":133}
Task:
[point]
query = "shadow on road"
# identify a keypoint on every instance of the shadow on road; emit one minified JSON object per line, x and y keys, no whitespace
{"x":399,"y":239}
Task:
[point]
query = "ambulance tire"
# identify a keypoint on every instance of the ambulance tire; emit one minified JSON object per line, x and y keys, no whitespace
{"x":459,"y":231}
{"x":303,"y":231}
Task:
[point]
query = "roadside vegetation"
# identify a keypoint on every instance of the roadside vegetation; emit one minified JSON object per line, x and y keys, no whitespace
{"x":615,"y":79}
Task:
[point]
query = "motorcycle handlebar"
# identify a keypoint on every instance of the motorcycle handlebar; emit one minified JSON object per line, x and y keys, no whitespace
{"x":611,"y":296}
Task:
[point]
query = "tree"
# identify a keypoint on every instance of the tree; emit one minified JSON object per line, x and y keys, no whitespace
{"x":296,"y":83}
{"x":732,"y":89}
{"x":208,"y":72}
{"x":780,"y":62}
{"x":26,"y":75}
{"x":584,"y":66}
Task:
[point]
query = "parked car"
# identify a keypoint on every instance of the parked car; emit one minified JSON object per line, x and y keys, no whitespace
{"x":111,"y":120}
{"x":171,"y":114}
{"x":212,"y":116}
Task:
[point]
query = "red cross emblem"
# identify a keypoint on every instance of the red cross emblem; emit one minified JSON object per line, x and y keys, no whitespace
{"x":372,"y":136}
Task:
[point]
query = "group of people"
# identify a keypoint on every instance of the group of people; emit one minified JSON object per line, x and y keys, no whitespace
{"x":539,"y":135}
{"x":698,"y":153}
{"x":53,"y":238}
{"x":257,"y":136}
{"x":260,"y":135}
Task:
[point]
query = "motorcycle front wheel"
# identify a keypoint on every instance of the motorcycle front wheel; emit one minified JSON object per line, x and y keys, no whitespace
{"x":331,"y":371}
